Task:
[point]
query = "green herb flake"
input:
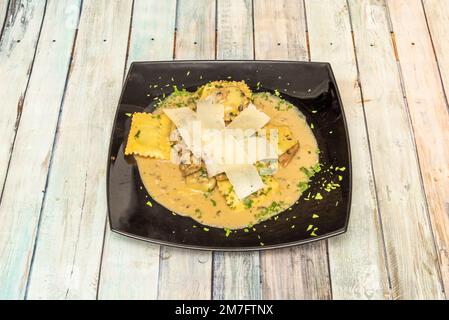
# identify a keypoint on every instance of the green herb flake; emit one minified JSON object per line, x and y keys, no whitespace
{"x":262,"y":244}
{"x":149,"y":204}
{"x":309,"y":227}
{"x":315,"y":216}
{"x":314,"y":111}
{"x":318,"y":196}
{"x":246,"y":230}
{"x":312,"y":126}
{"x":129,"y":115}
{"x":248,"y":202}
{"x":340,"y":178}
{"x":276,"y":93}
{"x":293,"y":226}
{"x":206,"y":229}
{"x":313,"y":234}
{"x":214,"y":203}
{"x":227,"y":232}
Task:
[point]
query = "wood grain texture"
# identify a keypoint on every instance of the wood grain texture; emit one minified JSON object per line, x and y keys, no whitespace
{"x":437,"y":14}
{"x":17,"y":48}
{"x":22,"y":196}
{"x":235,"y":29}
{"x":130,"y":268}
{"x":357,"y":262}
{"x":429,"y":114}
{"x":3,"y":11}
{"x":69,"y":242}
{"x":186,"y":274}
{"x":411,"y":256}
{"x":280,"y":33}
{"x":236,"y":275}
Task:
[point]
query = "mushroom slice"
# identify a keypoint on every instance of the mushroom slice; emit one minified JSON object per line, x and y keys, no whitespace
{"x":288,"y":155}
{"x":188,"y":169}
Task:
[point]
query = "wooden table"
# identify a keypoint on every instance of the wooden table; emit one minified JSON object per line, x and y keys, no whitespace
{"x":62,"y":65}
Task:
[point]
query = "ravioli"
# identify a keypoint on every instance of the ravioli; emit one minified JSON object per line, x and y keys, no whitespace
{"x":235,"y":96}
{"x":149,"y":136}
{"x":285,"y":137}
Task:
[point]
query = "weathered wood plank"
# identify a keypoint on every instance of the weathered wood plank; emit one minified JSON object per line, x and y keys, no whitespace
{"x":186,"y":274}
{"x":3,"y":10}
{"x":22,"y":196}
{"x":280,"y":33}
{"x":429,"y":115}
{"x":356,"y":259}
{"x":411,"y":256}
{"x":69,"y":243}
{"x":236,"y":275}
{"x":235,"y":29}
{"x":130,"y":268}
{"x":17,"y":48}
{"x":437,"y":14}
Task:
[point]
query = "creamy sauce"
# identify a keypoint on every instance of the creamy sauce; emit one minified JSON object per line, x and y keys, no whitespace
{"x":165,"y":183}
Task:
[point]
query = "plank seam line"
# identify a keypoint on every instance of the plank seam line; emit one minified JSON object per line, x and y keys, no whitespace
{"x":213,"y":253}
{"x":436,"y":56}
{"x":162,"y":248}
{"x":176,"y":29}
{"x":215,"y":30}
{"x":416,"y":154}
{"x":125,"y":69}
{"x":4,"y":20}
{"x":21,"y":102}
{"x":52,"y":155}
{"x":379,"y":214}
{"x":309,"y":55}
{"x":253,"y":29}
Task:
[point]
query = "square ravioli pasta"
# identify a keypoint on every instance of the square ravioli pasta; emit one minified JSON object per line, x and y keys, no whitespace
{"x":149,"y":136}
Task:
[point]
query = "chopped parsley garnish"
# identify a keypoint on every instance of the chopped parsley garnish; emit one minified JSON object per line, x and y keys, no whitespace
{"x":248,"y":202}
{"x":302,"y":186}
{"x":214,"y":203}
{"x":227,"y":232}
{"x":149,"y":204}
{"x":206,"y":229}
{"x":318,"y":196}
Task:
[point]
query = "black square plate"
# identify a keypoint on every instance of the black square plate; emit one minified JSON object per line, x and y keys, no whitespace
{"x":309,"y":86}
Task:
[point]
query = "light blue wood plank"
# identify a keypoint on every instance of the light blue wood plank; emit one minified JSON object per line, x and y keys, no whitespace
{"x":130,"y":268}
{"x":69,"y":243}
{"x":186,"y":274}
{"x":22,"y":193}
{"x":410,"y":248}
{"x":236,"y":275}
{"x":17,"y":48}
{"x":298,"y":272}
{"x":357,"y":262}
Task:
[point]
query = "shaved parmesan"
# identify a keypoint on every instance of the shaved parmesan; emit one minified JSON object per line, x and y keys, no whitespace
{"x":245,"y":179}
{"x":248,"y":121}
{"x":210,"y":114}
{"x":188,"y":126}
